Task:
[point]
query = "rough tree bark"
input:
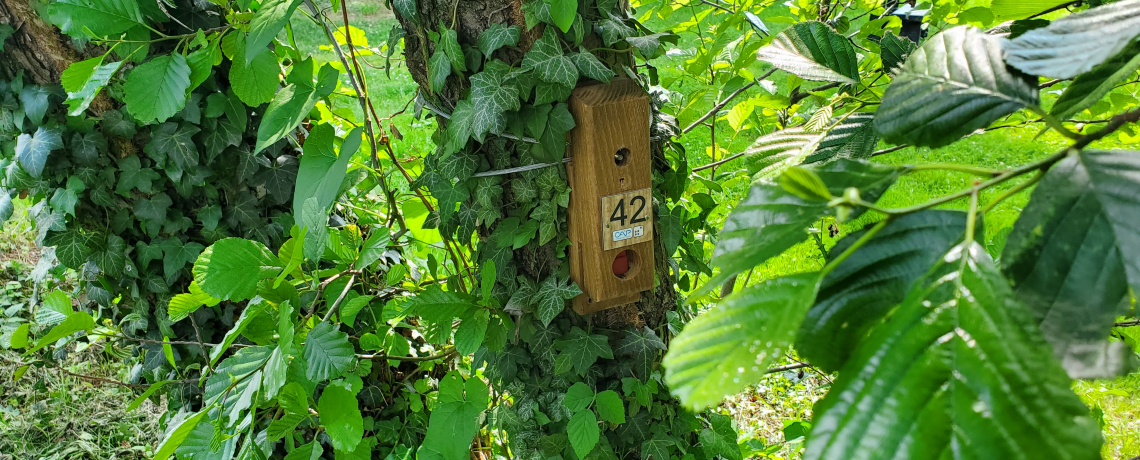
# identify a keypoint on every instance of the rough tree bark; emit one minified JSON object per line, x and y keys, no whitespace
{"x":469,"y":18}
{"x":35,"y":47}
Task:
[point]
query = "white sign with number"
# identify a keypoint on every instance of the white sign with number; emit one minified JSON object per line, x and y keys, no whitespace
{"x":627,"y":218}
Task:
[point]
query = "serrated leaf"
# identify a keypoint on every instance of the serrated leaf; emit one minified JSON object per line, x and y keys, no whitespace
{"x":730,"y":346}
{"x":471,"y":332}
{"x":156,"y":90}
{"x":292,"y":104}
{"x":770,"y":220}
{"x":102,"y":18}
{"x":813,"y":51}
{"x":1089,"y":88}
{"x":86,"y":86}
{"x":32,"y":150}
{"x":455,"y":419}
{"x":255,"y":82}
{"x":497,"y":36}
{"x":322,"y":168}
{"x":584,"y":432}
{"x":1072,"y":255}
{"x":959,"y":365}
{"x":859,"y":292}
{"x":267,"y":22}
{"x":1075,"y":44}
{"x":772,"y":154}
{"x":230,"y":268}
{"x":548,"y":61}
{"x":954,"y":84}
{"x":578,"y":397}
{"x":848,"y":136}
{"x":894,"y":51}
{"x":610,"y":407}
{"x":327,"y":352}
{"x":340,"y":415}
{"x":178,"y":435}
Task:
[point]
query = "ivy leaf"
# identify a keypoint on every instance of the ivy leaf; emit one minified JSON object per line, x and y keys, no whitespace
{"x":340,"y":415}
{"x":563,"y":13}
{"x":546,"y":93}
{"x":1075,"y":44}
{"x":156,"y":90}
{"x":584,"y":432}
{"x":32,"y":150}
{"x":548,"y":62}
{"x":1071,"y":256}
{"x":35,"y":100}
{"x":614,"y":30}
{"x":771,"y":220}
{"x":327,"y":352}
{"x":439,"y":68}
{"x":657,"y":448}
{"x":954,"y":84}
{"x":230,"y":268}
{"x":490,"y":98}
{"x":578,"y":397}
{"x":255,"y":82}
{"x":860,"y":291}
{"x":133,"y":176}
{"x":86,"y":148}
{"x":174,"y":142}
{"x":1089,"y":88}
{"x":71,"y":247}
{"x":407,"y":9}
{"x":279,"y":178}
{"x":650,"y":46}
{"x":449,"y":44}
{"x":551,"y":297}
{"x":895,"y":51}
{"x":153,"y":211}
{"x":267,"y":22}
{"x":590,"y":66}
{"x":102,"y":18}
{"x":498,"y":36}
{"x":583,"y":349}
{"x":642,"y":347}
{"x":962,"y":355}
{"x":813,"y":51}
{"x":731,"y":346}
{"x":322,"y":169}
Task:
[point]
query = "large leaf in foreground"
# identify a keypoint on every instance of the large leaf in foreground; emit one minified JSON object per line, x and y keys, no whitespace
{"x":730,"y":346}
{"x":231,"y":268}
{"x":156,"y":90}
{"x":848,"y":136}
{"x":322,"y":168}
{"x":327,"y":352}
{"x":959,"y":371}
{"x":895,"y":50}
{"x":953,"y":84}
{"x":876,"y":277}
{"x":102,"y":18}
{"x":812,"y":51}
{"x":773,"y":153}
{"x":1088,"y":88}
{"x":455,"y":418}
{"x":1074,"y":252}
{"x":771,"y":220}
{"x":1076,"y":43}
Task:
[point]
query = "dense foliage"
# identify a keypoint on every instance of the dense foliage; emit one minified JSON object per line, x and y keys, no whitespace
{"x":244,"y":232}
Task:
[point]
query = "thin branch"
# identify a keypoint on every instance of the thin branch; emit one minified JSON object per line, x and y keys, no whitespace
{"x":720,"y":105}
{"x":1135,"y":322}
{"x":801,"y":95}
{"x":198,"y":334}
{"x":1055,"y":8}
{"x":339,"y":299}
{"x":719,"y":162}
{"x":787,"y":367}
{"x":890,"y":150}
{"x":442,"y":355}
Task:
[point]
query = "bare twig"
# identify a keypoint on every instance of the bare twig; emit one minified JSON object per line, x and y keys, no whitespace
{"x":1135,"y":322}
{"x":720,"y":105}
{"x":442,"y":355}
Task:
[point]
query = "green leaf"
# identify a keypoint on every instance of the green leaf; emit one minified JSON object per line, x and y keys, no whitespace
{"x":182,"y":305}
{"x":563,"y":13}
{"x":374,"y":246}
{"x":156,"y":90}
{"x":295,"y":405}
{"x":578,"y":397}
{"x":178,"y":435}
{"x":548,"y":62}
{"x":293,"y":103}
{"x":958,"y":368}
{"x":407,"y":9}
{"x":471,"y":332}
{"x":174,"y":142}
{"x":201,"y":64}
{"x":19,"y":338}
{"x":251,"y":311}
{"x":641,"y":348}
{"x":152,"y":389}
{"x":310,"y":451}
{"x":54,"y":308}
{"x":132,"y":176}
{"x":610,"y":407}
{"x":82,"y":85}
{"x":497,"y":36}
{"x":771,"y":220}
{"x":591,"y":67}
{"x":859,"y":292}
{"x":895,"y":51}
{"x":812,"y":51}
{"x":230,"y":268}
{"x":490,"y":98}
{"x":584,"y":432}
{"x":439,"y":68}
{"x":731,"y":346}
{"x":255,"y":82}
{"x":1088,"y":88}
{"x":848,"y":136}
{"x":1075,"y":44}
{"x":327,"y":352}
{"x":805,"y":184}
{"x":455,"y":419}
{"x":32,"y":150}
{"x":1020,"y":9}
{"x":340,"y":415}
{"x":1073,"y":254}
{"x":954,"y":84}
{"x":551,"y":297}
{"x":322,"y":168}
{"x":267,"y":22}
{"x":657,"y":448}
{"x":772,"y":154}
{"x":78,"y":321}
{"x":583,"y":349}
{"x":71,"y":247}
{"x":99,"y":18}
{"x":449,"y":44}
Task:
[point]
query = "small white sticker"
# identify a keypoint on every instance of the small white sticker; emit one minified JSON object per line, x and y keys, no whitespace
{"x":638,"y":231}
{"x":623,"y":234}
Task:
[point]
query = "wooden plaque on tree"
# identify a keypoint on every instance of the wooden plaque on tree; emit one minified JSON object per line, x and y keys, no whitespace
{"x":611,"y":200}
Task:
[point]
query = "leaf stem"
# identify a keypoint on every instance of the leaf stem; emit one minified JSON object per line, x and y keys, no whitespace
{"x":971,"y":218}
{"x":1013,"y":191}
{"x":1054,"y":123}
{"x":854,"y":246}
{"x":968,"y":169}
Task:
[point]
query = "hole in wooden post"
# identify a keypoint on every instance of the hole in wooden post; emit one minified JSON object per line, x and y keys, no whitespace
{"x":625,"y":264}
{"x":621,"y":157}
